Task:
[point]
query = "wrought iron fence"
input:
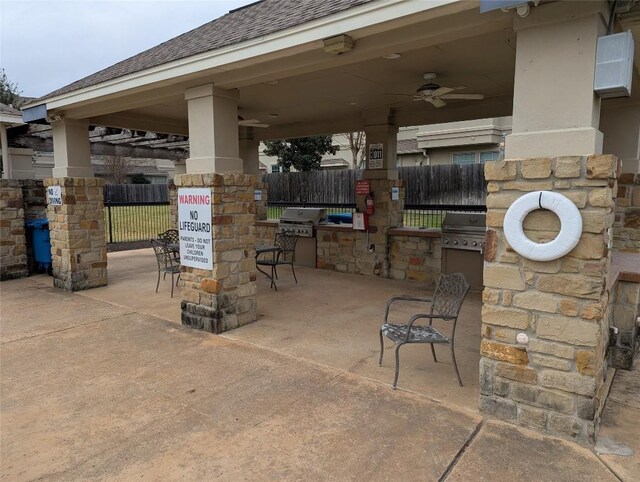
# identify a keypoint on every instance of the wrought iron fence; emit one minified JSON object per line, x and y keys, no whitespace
{"x":275,"y":209}
{"x":432,"y":215}
{"x":135,"y":221}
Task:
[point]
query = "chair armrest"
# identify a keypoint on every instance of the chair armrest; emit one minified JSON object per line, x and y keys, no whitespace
{"x":403,"y":298}
{"x":424,"y":315}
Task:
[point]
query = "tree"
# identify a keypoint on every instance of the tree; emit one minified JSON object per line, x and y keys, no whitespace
{"x":9,"y":93}
{"x":117,"y":168}
{"x":140,"y":178}
{"x":357,"y":144}
{"x":303,"y":153}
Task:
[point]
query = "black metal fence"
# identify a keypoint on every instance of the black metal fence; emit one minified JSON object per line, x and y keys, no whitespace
{"x":135,"y":221}
{"x":432,"y":215}
{"x":275,"y":209}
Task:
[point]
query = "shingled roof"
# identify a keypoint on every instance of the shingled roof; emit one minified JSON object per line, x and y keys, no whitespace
{"x":246,"y":23}
{"x":9,"y":110}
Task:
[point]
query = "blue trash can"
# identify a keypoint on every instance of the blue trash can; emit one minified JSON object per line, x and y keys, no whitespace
{"x":41,"y":242}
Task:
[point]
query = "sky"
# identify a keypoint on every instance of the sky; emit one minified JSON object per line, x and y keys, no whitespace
{"x":47,"y":44}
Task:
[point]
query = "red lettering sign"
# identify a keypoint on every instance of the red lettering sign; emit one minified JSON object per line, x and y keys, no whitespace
{"x":363,"y":187}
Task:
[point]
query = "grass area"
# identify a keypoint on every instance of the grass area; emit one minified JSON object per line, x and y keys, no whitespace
{"x":136,"y":223}
{"x":140,"y":223}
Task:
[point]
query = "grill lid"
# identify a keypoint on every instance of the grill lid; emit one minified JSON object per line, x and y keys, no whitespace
{"x":461,"y":223}
{"x":304,"y":215}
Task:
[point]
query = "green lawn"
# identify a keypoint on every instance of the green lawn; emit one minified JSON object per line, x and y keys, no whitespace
{"x":136,"y":223}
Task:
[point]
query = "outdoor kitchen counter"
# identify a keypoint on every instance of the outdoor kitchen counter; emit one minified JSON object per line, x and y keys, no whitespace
{"x":335,"y":227}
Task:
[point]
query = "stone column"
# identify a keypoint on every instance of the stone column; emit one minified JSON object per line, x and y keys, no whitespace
{"x":78,"y":247}
{"x":555,"y":111}
{"x":554,"y":381}
{"x":626,"y":228}
{"x":173,"y":205}
{"x":225,"y":297}
{"x":372,"y":251}
{"x":13,"y":247}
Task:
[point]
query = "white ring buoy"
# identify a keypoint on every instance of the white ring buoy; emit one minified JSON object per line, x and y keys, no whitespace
{"x":570,"y":225}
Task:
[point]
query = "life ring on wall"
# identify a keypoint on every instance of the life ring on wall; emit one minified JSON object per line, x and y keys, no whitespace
{"x":570,"y":225}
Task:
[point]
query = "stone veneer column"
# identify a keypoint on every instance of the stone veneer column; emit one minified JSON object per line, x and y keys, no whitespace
{"x":173,"y":205}
{"x":553,"y":383}
{"x":225,"y":297}
{"x":261,"y":206}
{"x":13,"y":244}
{"x":78,"y":246}
{"x":372,"y":252}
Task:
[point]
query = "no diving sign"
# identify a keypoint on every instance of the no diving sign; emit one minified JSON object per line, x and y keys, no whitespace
{"x":54,"y":195}
{"x":194,"y":226}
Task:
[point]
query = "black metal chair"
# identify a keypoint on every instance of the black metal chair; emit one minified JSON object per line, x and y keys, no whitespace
{"x":166,"y":262}
{"x":445,"y":305}
{"x":285,"y":254}
{"x":171,"y":236}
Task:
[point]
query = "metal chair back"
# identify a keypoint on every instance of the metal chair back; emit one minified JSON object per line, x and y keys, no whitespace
{"x":449,"y":295}
{"x":164,"y":256}
{"x":170,"y":236}
{"x":287,"y":244}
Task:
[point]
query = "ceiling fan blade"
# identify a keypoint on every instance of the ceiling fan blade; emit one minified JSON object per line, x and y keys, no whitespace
{"x":419,"y":97}
{"x":262,"y":126}
{"x":435,"y":101}
{"x":463,"y":96}
{"x":248,"y":122}
{"x":441,"y":91}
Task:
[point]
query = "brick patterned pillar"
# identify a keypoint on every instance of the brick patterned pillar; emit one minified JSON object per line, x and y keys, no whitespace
{"x":173,"y":205}
{"x":387,"y":215}
{"x":261,"y":206}
{"x":13,"y":244}
{"x":225,"y":297}
{"x":626,"y":228}
{"x":78,"y":246}
{"x":554,"y":382}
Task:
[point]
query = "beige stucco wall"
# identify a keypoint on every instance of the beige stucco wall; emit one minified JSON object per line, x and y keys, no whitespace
{"x":621,"y":128}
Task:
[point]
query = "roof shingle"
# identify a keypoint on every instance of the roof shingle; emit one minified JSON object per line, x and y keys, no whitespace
{"x":253,"y":21}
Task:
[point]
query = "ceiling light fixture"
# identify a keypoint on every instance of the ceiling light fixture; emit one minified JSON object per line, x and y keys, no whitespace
{"x":351,"y":103}
{"x":273,"y":115}
{"x":270,"y":82}
{"x":392,"y":56}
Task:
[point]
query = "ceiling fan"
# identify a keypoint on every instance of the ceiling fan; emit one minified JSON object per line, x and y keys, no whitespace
{"x":251,"y":123}
{"x":436,"y":95}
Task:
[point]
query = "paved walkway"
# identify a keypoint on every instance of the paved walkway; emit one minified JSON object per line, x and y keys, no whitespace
{"x":91,"y":390}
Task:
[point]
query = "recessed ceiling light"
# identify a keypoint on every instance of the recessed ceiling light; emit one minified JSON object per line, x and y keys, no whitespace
{"x":270,"y":82}
{"x":352,"y":103}
{"x":273,"y":115}
{"x":391,"y":56}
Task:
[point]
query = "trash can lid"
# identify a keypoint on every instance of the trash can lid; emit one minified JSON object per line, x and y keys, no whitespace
{"x":37,"y":223}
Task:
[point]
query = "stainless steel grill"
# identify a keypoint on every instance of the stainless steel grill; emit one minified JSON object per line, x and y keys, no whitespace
{"x":301,"y":221}
{"x":463,"y":236}
{"x":464,"y":231}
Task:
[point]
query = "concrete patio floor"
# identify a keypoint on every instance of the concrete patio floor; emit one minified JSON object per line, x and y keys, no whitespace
{"x":95,"y":390}
{"x":329,"y":318}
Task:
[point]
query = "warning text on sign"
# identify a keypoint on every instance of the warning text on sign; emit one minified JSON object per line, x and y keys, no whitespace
{"x":194,"y":226}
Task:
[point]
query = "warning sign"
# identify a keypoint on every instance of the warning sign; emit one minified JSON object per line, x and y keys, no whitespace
{"x":194,"y":226}
{"x":363,"y":187}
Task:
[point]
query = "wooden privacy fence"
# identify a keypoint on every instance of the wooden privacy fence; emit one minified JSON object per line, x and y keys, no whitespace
{"x":313,"y":187}
{"x":136,"y":193}
{"x":455,"y":184}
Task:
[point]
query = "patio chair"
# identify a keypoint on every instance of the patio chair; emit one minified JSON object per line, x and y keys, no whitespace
{"x":171,"y":236}
{"x":286,"y":254}
{"x":445,"y":305}
{"x":166,"y":262}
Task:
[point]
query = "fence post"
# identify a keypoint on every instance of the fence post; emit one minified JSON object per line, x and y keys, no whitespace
{"x":110,"y":223}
